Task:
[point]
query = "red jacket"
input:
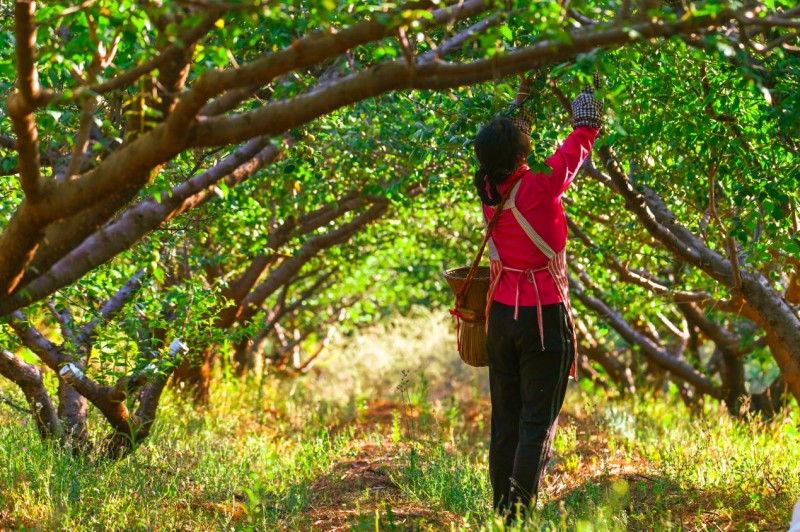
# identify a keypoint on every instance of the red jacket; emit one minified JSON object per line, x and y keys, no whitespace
{"x":539,"y":201}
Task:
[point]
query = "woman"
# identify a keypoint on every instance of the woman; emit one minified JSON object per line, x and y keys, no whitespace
{"x":530,"y":337}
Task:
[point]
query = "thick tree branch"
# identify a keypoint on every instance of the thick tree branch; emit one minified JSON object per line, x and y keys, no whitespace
{"x":395,"y":75}
{"x":29,"y":379}
{"x":302,"y":53}
{"x":138,"y":221}
{"x":772,"y":311}
{"x":653,"y":352}
{"x":311,"y":248}
{"x":108,"y":399}
{"x":233,"y":87}
{"x":723,"y":338}
{"x":47,"y":351}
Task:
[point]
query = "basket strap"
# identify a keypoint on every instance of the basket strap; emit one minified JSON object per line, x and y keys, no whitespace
{"x":489,"y":228}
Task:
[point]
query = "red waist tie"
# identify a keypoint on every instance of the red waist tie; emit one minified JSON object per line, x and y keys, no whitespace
{"x":529,"y":274}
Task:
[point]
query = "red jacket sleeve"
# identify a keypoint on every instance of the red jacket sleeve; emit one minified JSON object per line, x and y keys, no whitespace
{"x":568,"y":159}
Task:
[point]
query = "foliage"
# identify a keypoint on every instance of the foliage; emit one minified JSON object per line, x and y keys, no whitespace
{"x":201,"y":144}
{"x":300,"y":453}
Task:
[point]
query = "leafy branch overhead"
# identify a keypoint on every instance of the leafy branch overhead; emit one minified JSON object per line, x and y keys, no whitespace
{"x":57,"y":214}
{"x":254,"y":175}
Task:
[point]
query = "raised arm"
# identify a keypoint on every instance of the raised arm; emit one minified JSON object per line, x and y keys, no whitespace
{"x":518,"y":112}
{"x":567,"y":159}
{"x":587,"y":117}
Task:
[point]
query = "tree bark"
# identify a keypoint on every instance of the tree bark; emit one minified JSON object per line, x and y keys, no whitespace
{"x":653,"y":352}
{"x":72,"y":410}
{"x":193,"y":376}
{"x":29,"y":380}
{"x":773,"y":312}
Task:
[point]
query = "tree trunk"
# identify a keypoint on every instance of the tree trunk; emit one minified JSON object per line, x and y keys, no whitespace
{"x":193,"y":376}
{"x":732,"y":373}
{"x":29,"y":379}
{"x":771,"y":401}
{"x":72,"y":415}
{"x":244,"y":357}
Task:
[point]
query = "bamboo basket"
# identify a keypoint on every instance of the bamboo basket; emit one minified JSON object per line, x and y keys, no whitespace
{"x":472,"y":331}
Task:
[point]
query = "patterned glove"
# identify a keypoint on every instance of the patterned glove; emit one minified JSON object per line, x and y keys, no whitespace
{"x":521,"y":117}
{"x":586,"y":109}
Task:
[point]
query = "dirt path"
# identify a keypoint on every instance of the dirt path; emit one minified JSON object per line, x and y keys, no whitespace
{"x":359,"y":492}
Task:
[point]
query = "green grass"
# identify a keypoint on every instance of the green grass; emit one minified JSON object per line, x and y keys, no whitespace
{"x":358,"y":445}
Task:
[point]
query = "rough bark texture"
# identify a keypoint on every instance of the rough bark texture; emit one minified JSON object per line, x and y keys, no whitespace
{"x":29,"y":380}
{"x":72,"y":411}
{"x":650,"y":349}
{"x":771,"y":310}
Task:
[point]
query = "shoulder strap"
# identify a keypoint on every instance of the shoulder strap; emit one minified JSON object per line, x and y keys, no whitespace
{"x":489,"y":228}
{"x":537,"y":240}
{"x":493,"y":254}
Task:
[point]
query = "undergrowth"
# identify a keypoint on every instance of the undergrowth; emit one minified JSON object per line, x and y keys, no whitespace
{"x":392,"y":434}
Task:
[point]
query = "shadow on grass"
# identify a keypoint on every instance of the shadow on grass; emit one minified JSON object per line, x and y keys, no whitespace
{"x":359,"y":494}
{"x":634,"y":501}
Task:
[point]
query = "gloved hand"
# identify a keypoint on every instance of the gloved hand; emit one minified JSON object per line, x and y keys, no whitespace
{"x":521,"y":117}
{"x":517,"y":113}
{"x":586,"y":109}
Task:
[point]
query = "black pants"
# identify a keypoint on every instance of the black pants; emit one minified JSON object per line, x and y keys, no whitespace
{"x":527,"y":387}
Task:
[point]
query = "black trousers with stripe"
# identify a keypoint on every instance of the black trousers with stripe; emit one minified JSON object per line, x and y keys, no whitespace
{"x":527,"y":387}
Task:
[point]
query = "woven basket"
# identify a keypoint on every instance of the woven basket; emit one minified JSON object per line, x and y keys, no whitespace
{"x":472,"y":333}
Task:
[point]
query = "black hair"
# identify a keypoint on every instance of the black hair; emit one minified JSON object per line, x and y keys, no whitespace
{"x":499,"y":146}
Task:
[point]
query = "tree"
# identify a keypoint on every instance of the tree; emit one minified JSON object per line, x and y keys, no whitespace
{"x":123,"y":117}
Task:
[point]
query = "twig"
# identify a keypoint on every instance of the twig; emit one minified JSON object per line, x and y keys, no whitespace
{"x":84,"y":128}
{"x":458,"y":40}
{"x":14,"y":405}
{"x":64,"y":320}
{"x":730,"y":242}
{"x":128,"y":77}
{"x":583,"y":20}
{"x":76,"y":8}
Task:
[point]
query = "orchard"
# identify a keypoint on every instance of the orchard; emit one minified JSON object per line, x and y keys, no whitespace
{"x":210,"y":210}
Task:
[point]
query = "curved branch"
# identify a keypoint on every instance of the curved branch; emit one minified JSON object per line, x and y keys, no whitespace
{"x":288,"y":268}
{"x":29,"y":379}
{"x":50,"y":353}
{"x":279,"y":116}
{"x":140,"y":220}
{"x":677,"y":367}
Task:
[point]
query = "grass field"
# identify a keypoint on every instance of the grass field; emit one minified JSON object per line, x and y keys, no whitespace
{"x":391,"y":433}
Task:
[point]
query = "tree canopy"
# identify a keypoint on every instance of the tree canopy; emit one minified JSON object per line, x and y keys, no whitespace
{"x":245,"y":176}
